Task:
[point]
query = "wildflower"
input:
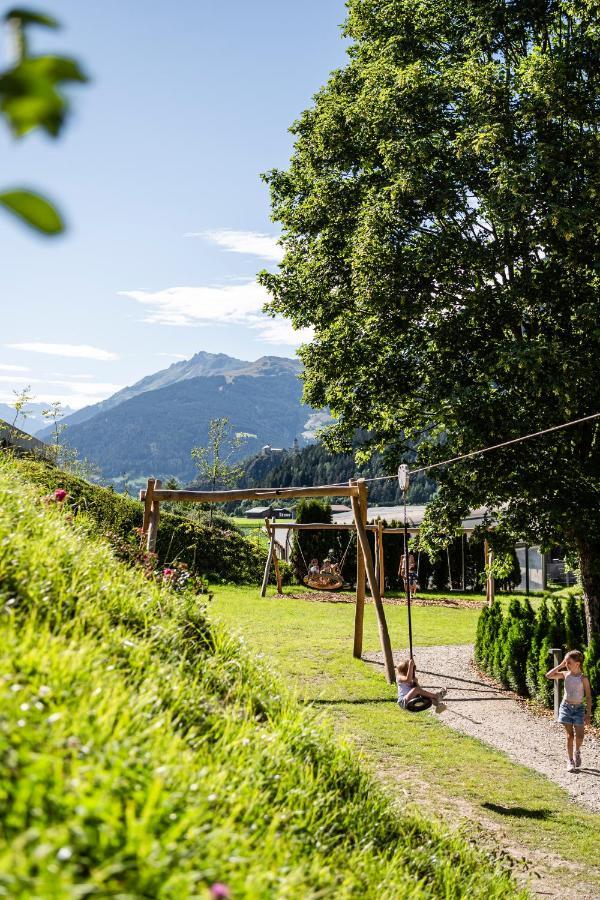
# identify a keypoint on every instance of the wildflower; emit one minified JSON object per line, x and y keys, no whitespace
{"x":168,"y":573}
{"x":60,"y":494}
{"x":219,"y":891}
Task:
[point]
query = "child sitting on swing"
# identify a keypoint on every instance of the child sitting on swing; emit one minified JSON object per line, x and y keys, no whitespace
{"x":409,"y":687}
{"x":314,"y":567}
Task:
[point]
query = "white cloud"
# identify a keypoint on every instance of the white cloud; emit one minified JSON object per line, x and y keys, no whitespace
{"x":19,"y":379}
{"x":6,"y":367}
{"x":231,"y":304}
{"x":173,"y":355}
{"x":225,"y":304}
{"x":69,"y":376}
{"x":280,"y":331}
{"x":252,"y":243}
{"x":81,"y":351}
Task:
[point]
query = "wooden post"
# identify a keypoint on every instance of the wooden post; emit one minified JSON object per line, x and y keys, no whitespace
{"x":146,"y":497}
{"x":265,"y":580}
{"x":276,"y":564}
{"x":359,"y":612}
{"x":277,"y":574}
{"x":381,"y":558}
{"x":376,"y":555}
{"x":359,"y":506}
{"x":153,"y":520}
{"x":556,"y":654}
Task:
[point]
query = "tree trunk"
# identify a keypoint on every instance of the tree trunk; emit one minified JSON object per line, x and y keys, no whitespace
{"x":589,"y":559}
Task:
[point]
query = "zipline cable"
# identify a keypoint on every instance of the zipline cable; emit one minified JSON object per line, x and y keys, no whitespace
{"x":524,"y":437}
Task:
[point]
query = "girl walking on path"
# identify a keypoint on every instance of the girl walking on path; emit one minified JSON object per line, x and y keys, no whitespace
{"x":574,"y":713}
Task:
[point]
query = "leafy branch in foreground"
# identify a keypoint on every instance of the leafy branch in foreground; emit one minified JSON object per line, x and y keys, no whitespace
{"x":31,"y":97}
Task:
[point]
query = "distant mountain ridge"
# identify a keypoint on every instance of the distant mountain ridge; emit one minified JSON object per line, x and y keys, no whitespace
{"x":202,"y":364}
{"x":151,"y":427}
{"x":33,"y":422}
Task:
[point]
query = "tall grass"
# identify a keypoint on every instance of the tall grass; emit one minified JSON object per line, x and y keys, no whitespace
{"x":145,"y":753}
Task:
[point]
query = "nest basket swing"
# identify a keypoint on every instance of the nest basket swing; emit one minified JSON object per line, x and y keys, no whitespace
{"x":326,"y":581}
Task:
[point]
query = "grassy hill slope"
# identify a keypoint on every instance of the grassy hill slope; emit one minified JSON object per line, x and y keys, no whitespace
{"x":146,"y":753}
{"x":211,"y":552}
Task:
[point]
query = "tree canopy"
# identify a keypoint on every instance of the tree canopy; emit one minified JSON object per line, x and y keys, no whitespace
{"x":440,"y":223}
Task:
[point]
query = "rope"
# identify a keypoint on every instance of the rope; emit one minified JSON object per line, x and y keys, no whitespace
{"x":299,"y":546}
{"x":454,"y":459}
{"x":407,"y":584}
{"x":343,"y":560}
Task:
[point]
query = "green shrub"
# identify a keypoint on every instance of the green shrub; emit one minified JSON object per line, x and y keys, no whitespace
{"x":517,"y":641}
{"x":488,"y":629}
{"x":514,"y":647}
{"x":540,"y":630}
{"x":545,"y":687}
{"x":591,"y":667}
{"x":213,"y":552}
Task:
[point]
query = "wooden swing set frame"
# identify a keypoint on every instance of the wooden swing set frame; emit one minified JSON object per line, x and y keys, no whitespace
{"x":356,"y":490}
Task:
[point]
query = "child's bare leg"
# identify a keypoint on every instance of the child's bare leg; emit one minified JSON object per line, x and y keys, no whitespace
{"x":421,"y":692}
{"x":569,"y":730}
{"x":414,"y":692}
{"x":579,"y":735}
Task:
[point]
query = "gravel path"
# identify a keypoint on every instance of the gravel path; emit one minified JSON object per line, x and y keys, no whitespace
{"x":491,"y":714}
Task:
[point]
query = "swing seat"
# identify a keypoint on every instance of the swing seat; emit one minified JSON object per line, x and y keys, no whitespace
{"x":329,"y":581}
{"x":418,"y":704}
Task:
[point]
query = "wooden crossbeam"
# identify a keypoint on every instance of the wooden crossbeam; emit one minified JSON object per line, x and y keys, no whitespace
{"x":331,"y":490}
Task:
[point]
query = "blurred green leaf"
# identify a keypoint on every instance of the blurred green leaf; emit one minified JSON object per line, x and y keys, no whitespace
{"x":33,"y":209}
{"x":54,"y":69}
{"x":28,"y":17}
{"x":29,"y":97}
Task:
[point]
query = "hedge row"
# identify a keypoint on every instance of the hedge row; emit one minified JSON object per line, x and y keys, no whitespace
{"x":212,"y":552}
{"x":514,"y":646}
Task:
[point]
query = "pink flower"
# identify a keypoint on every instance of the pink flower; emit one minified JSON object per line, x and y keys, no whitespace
{"x":60,"y":495}
{"x":219,"y":891}
{"x":168,"y":573}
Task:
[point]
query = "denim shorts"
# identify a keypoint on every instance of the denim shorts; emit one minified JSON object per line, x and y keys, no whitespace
{"x":571,"y":714}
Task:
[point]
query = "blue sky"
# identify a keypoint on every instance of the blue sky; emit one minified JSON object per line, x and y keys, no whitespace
{"x":157,"y":174}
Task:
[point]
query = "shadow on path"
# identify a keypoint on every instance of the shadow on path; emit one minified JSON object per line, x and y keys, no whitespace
{"x":518,"y":812}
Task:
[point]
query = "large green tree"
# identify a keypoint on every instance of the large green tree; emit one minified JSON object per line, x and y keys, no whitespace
{"x":441,"y":225}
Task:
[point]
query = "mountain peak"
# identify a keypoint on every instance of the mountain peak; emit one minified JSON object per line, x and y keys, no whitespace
{"x":201,"y":365}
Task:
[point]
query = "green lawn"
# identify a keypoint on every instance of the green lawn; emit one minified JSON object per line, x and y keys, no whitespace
{"x":311,"y":645}
{"x":145,"y":753}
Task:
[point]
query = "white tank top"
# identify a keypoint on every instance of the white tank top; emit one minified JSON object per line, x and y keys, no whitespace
{"x":404,"y":688}
{"x":574,"y":691}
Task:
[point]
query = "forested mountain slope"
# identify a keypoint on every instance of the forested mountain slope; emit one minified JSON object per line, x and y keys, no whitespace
{"x":314,"y":464}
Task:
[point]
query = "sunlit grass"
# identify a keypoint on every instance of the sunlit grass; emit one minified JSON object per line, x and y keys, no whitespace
{"x":147,"y":753}
{"x":310,"y":643}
